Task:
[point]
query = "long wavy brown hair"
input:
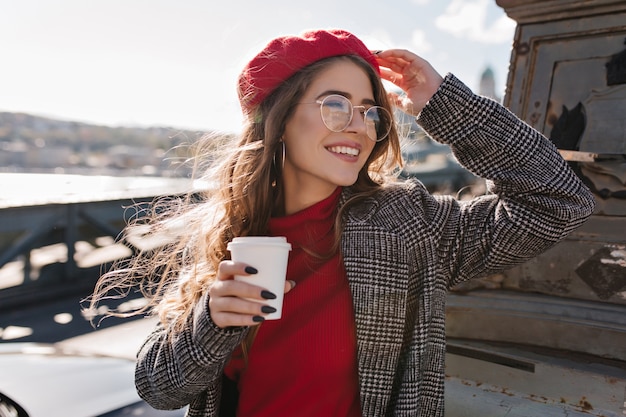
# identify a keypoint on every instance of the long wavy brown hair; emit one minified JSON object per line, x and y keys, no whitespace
{"x":244,"y":190}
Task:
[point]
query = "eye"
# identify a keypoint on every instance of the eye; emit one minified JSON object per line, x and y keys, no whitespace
{"x":336,"y":102}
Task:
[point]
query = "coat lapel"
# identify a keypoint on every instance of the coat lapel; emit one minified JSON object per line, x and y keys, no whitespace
{"x":377,"y":270}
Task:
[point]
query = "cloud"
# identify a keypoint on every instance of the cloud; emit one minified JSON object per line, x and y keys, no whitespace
{"x":421,"y":2}
{"x":468,"y":19}
{"x":419,"y":42}
{"x":379,"y":39}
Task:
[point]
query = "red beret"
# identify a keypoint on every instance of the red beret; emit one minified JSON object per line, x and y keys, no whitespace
{"x":284,"y":56}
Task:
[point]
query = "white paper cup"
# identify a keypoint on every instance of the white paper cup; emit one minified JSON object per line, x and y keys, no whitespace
{"x":269,"y":256}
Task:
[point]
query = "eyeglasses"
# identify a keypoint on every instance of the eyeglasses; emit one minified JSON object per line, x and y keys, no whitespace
{"x":337,"y":112}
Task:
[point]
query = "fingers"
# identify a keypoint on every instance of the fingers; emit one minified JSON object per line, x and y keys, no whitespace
{"x":399,"y":60}
{"x":235,"y":311}
{"x":399,"y":57}
{"x":406,"y":67}
{"x":233,"y":303}
{"x":413,"y":74}
{"x":228,"y":269}
{"x":238,"y":303}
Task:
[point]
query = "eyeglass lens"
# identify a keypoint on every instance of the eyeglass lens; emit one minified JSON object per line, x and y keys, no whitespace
{"x":337,"y":112}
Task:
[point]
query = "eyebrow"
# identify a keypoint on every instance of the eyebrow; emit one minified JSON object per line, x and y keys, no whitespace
{"x":345,"y":94}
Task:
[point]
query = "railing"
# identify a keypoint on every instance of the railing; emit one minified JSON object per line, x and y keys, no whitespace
{"x":54,"y":244}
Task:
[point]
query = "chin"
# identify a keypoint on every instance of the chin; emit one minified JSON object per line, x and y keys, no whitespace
{"x":345,"y":181}
{"x":343,"y":177}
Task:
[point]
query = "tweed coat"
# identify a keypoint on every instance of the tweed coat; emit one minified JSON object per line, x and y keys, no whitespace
{"x":402,"y":250}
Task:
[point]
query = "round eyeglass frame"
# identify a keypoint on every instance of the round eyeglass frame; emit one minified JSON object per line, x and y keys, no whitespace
{"x":363,"y":110}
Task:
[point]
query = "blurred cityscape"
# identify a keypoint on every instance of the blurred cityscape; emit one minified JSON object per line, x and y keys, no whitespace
{"x":37,"y":144}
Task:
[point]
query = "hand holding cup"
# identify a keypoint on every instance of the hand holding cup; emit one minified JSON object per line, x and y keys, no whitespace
{"x":250,"y":288}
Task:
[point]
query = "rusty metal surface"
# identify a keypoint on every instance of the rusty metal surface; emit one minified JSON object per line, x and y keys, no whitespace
{"x":548,"y":338}
{"x":531,"y":11}
{"x":567,"y":81}
{"x":589,"y":265}
{"x":498,"y":380}
{"x":588,"y":327}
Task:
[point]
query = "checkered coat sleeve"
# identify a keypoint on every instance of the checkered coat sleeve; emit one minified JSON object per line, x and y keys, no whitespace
{"x":403,"y":249}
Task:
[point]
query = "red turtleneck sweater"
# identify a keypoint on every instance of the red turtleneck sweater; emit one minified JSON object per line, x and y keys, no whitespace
{"x":304,"y":364}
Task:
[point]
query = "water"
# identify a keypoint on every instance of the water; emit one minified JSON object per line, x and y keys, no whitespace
{"x":17,"y":190}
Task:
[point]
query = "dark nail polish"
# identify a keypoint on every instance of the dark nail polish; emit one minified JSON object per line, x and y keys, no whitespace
{"x":257,"y":319}
{"x":268,"y":295}
{"x":268,"y":309}
{"x":251,"y":270}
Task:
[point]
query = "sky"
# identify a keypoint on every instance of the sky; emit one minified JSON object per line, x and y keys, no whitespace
{"x":174,"y":63}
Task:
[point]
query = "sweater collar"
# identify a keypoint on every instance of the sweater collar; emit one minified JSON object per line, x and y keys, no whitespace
{"x":309,"y":224}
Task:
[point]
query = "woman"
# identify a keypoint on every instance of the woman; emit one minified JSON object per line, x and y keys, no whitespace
{"x":362,"y":331}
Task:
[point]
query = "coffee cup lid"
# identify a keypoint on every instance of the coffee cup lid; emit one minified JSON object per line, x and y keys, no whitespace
{"x":259,"y":240}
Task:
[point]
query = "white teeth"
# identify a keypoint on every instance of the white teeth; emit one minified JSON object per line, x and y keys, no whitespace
{"x":345,"y":150}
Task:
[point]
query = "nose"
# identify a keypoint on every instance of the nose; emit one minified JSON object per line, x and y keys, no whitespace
{"x":357,"y":124}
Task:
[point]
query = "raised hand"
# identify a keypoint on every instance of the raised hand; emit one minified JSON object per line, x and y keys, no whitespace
{"x":411,"y":73}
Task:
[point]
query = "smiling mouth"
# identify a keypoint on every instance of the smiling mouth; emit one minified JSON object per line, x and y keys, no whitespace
{"x":345,"y":150}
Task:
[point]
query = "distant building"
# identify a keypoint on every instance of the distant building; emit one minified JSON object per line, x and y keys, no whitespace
{"x":488,"y":85}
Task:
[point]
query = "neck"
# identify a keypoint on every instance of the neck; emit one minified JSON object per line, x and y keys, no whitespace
{"x":300,"y":201}
{"x":302,"y":189}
